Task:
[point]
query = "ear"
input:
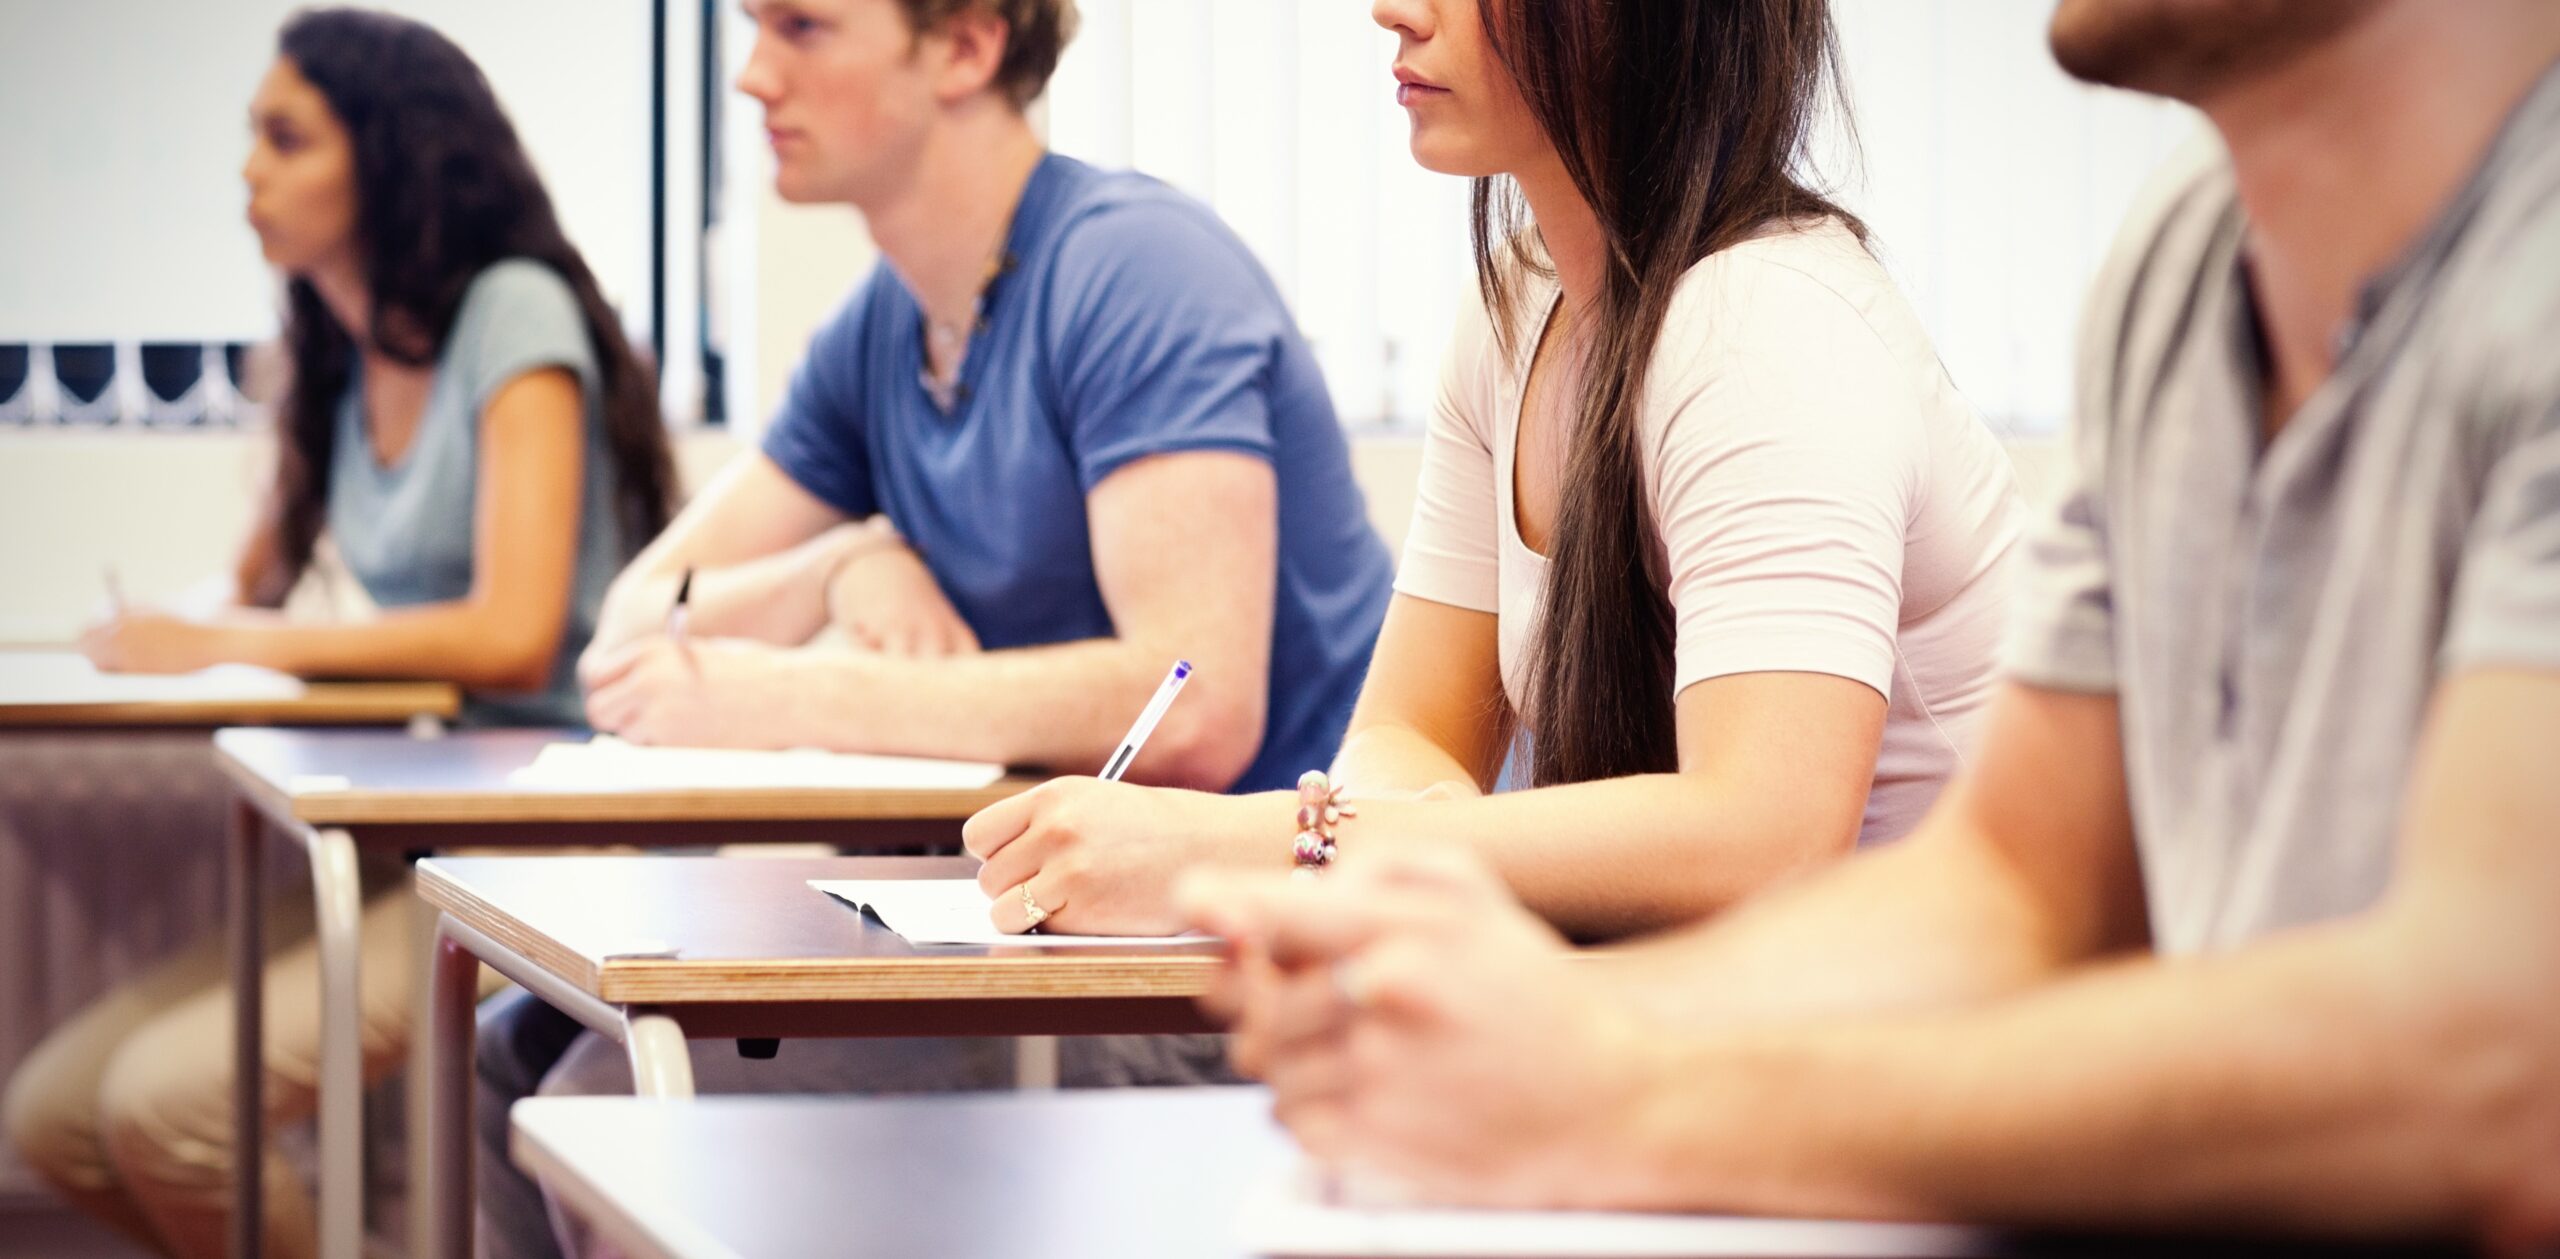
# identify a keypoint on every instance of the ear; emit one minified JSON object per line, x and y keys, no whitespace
{"x":966,"y":51}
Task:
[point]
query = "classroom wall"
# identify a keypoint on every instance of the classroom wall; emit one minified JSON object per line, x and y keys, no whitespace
{"x":167,"y":508}
{"x":126,"y":128}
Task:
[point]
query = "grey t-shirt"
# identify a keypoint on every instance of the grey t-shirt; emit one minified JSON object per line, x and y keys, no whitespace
{"x":407,"y":530}
{"x":2274,"y":620}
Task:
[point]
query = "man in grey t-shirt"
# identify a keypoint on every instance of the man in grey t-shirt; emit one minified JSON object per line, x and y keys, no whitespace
{"x":2247,"y":914}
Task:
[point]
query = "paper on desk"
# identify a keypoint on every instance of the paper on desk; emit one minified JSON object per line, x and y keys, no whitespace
{"x":953,"y":911}
{"x":608,"y":762}
{"x":67,"y":677}
{"x":1286,"y":1218}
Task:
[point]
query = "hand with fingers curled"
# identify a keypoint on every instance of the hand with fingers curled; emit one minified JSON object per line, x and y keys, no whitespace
{"x":1413,"y":1021}
{"x":1084,"y":856}
{"x":140,"y":641}
{"x":883,"y":598}
{"x":699,"y":692}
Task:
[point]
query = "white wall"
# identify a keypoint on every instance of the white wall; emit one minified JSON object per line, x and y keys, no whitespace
{"x":123,"y":124}
{"x":1991,"y":181}
{"x":165,"y":510}
{"x":168,"y":509}
{"x":1974,"y":148}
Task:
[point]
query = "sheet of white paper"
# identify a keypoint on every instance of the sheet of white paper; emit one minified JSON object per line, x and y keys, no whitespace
{"x":606,"y":763}
{"x":67,"y":677}
{"x":1286,"y":1219}
{"x":953,"y":911}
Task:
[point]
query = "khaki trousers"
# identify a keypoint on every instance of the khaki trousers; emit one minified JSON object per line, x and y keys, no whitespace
{"x":126,"y":1108}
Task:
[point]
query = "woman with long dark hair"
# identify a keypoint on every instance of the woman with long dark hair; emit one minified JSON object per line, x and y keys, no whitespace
{"x":466,"y":426}
{"x":1701,"y":516}
{"x":462,"y":418}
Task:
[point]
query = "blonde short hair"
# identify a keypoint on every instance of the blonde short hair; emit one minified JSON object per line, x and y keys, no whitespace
{"x":1036,"y":33}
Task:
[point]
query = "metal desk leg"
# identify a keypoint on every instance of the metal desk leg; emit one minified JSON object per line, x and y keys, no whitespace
{"x":659,"y":1065}
{"x":338,"y":901}
{"x":248,"y":1031}
{"x":1035,"y":1063}
{"x":443,"y":1201}
{"x":419,"y":1090}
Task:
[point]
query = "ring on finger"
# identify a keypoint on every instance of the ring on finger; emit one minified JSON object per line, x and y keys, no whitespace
{"x":1032,"y":914}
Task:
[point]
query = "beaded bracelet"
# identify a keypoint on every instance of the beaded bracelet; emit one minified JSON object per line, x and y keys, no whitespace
{"x":1320,"y":809}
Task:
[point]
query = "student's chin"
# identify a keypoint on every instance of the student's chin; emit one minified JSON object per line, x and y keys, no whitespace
{"x":1439,"y":161}
{"x":800,"y":191}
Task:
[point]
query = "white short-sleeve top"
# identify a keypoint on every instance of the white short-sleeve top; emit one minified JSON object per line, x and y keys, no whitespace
{"x":1826,"y":501}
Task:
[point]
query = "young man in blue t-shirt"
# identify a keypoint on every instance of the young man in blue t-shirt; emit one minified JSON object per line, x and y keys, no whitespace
{"x":1065,"y":433}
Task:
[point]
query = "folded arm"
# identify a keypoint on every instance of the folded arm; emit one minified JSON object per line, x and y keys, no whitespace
{"x":1064,"y":705}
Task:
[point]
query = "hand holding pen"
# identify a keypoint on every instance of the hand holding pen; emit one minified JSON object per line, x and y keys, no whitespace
{"x":683,"y":602}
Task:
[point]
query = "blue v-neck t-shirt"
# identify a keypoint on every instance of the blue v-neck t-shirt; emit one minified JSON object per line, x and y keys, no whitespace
{"x":1127,"y":322}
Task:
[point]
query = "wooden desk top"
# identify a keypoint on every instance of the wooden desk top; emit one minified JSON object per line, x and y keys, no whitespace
{"x":993,"y":1176}
{"x":361,"y":777}
{"x":750,"y":930}
{"x":321,"y":704}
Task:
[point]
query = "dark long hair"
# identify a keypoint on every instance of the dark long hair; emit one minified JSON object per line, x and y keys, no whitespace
{"x":443,"y":190}
{"x":1685,"y":124}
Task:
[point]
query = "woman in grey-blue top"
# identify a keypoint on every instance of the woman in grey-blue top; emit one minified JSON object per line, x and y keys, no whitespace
{"x":466,"y":425}
{"x":462,"y":419}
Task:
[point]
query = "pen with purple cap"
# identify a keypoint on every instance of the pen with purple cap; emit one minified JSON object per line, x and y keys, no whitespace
{"x":1146,"y":723}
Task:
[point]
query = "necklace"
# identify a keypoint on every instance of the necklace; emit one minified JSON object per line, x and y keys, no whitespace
{"x":949,"y":342}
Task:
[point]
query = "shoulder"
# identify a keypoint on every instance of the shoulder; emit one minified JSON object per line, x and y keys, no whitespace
{"x":1812,"y":278}
{"x":2185,"y":219}
{"x":1784,"y":321}
{"x":862,"y":310}
{"x":518,"y":309}
{"x":1474,"y":374}
{"x":828,"y":381}
{"x":1475,"y":345}
{"x":2499,"y":345}
{"x":1795,"y":344}
{"x":520,"y":288}
{"x":1125,"y":237}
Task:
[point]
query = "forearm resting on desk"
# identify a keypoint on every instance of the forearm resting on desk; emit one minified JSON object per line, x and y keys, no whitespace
{"x":1912,"y":926}
{"x":2354,"y":1080}
{"x":2388,"y":1073}
{"x":1605,"y":859}
{"x":1062,"y":707}
{"x":457,"y":642}
{"x":2025,"y":866}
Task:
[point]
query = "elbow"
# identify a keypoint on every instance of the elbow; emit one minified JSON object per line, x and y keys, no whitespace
{"x":1206,"y":746}
{"x":513,"y":662}
{"x":1786,"y":832}
{"x":2497,"y":1113}
{"x":1747,"y":852}
{"x":511,"y":676}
